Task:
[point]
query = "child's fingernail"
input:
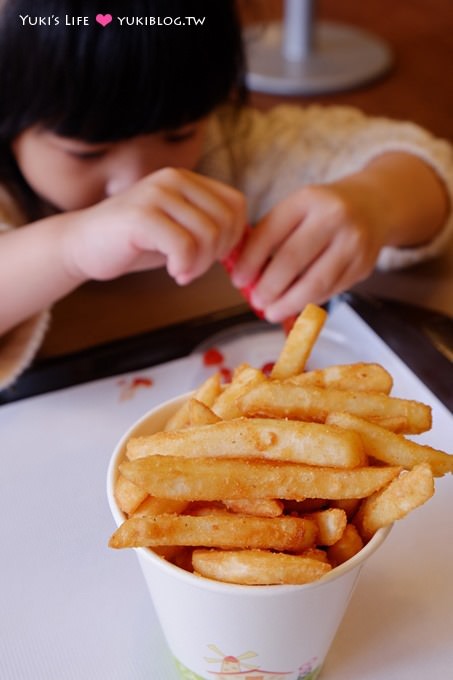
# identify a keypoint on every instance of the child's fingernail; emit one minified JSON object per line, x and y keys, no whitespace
{"x":182,"y":279}
{"x":237,"y":281}
{"x":256,"y":300}
{"x":271,"y":317}
{"x":272,"y":314}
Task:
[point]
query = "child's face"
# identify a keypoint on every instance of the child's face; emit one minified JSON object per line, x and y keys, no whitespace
{"x":72,"y":175}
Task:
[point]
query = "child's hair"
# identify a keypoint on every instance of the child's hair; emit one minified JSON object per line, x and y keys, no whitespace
{"x":105,"y":84}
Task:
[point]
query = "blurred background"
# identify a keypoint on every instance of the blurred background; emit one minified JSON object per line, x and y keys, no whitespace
{"x":416,"y":87}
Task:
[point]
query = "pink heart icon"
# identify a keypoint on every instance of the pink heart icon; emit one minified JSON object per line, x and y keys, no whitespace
{"x":104,"y":19}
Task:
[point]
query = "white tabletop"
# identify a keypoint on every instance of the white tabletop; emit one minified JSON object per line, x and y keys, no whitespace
{"x":71,"y":609}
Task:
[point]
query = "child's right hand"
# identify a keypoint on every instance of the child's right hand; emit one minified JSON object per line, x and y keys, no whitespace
{"x":172,"y":217}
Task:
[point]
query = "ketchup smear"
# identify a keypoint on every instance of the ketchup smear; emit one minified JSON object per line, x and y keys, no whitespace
{"x":212,"y":357}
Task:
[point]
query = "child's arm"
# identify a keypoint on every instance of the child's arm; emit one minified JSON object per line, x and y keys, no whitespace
{"x":172,"y":217}
{"x":323,"y":239}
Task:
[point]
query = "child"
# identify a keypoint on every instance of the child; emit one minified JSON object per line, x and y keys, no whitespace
{"x":126,"y":147}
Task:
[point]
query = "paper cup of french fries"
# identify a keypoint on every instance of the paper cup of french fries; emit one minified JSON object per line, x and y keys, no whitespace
{"x":253,"y":506}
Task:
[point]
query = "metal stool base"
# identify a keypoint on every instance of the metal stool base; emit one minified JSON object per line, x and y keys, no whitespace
{"x":343,"y":57}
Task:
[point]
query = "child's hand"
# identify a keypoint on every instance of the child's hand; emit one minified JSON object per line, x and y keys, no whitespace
{"x":317,"y":242}
{"x":172,"y":217}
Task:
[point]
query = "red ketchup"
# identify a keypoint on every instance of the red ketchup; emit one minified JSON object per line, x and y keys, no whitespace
{"x":229,"y":262}
{"x":226,"y":374}
{"x":212,"y":357}
{"x":141,"y":382}
{"x":267,"y":368}
{"x":288,"y":323}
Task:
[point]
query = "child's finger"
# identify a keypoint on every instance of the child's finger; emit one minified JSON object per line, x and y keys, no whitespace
{"x":224,"y":205}
{"x":292,"y":257}
{"x":317,"y":284}
{"x":265,"y":239}
{"x":167,"y":237}
{"x":206,"y":232}
{"x":229,"y":262}
{"x":188,"y":220}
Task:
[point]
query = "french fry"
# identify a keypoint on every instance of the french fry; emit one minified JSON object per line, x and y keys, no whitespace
{"x":226,"y":531}
{"x":203,"y":508}
{"x":213,"y":479}
{"x":179,"y":419}
{"x":331,"y":525}
{"x":209,"y":390}
{"x":392,"y":448}
{"x":259,"y":507}
{"x":299,"y":343}
{"x":314,"y":554}
{"x":257,"y":567}
{"x":357,"y":377}
{"x":346,"y":547}
{"x":244,"y":378}
{"x":207,"y":393}
{"x":276,"y":399}
{"x":280,"y":479}
{"x":159,"y":506}
{"x":309,"y":443}
{"x":396,"y":424}
{"x":128,"y":495}
{"x":405,"y":493}
{"x":200,"y":414}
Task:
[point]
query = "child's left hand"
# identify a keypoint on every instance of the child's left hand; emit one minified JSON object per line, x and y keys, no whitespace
{"x":317,"y":242}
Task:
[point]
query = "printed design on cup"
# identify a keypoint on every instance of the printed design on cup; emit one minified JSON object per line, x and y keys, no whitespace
{"x":308,"y":670}
{"x":235,"y":668}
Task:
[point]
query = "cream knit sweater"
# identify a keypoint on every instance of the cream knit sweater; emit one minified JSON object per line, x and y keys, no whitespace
{"x":267,"y":156}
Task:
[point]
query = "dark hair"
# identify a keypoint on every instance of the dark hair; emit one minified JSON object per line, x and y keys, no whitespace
{"x":104,"y":84}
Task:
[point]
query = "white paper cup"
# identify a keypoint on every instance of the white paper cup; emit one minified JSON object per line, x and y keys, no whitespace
{"x":221,"y":631}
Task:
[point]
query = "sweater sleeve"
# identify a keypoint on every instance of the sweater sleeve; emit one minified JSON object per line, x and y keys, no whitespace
{"x":19,"y":346}
{"x":288,"y":147}
{"x":373,"y":137}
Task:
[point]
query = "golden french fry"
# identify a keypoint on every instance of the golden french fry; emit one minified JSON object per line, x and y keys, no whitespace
{"x":202,"y":508}
{"x":356,"y":377}
{"x":179,"y":419}
{"x":405,"y":493}
{"x":331,"y":525}
{"x":158,"y":506}
{"x":222,"y":531}
{"x":392,"y":448}
{"x":244,"y":378}
{"x":257,"y":567}
{"x":310,"y":443}
{"x":200,"y":414}
{"x":214,"y":479}
{"x":276,"y":399}
{"x":346,"y":547}
{"x":314,"y":554}
{"x":299,"y":343}
{"x":207,"y":393}
{"x":394,"y":424}
{"x":128,"y":495}
{"x":280,"y":479}
{"x":259,"y":507}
